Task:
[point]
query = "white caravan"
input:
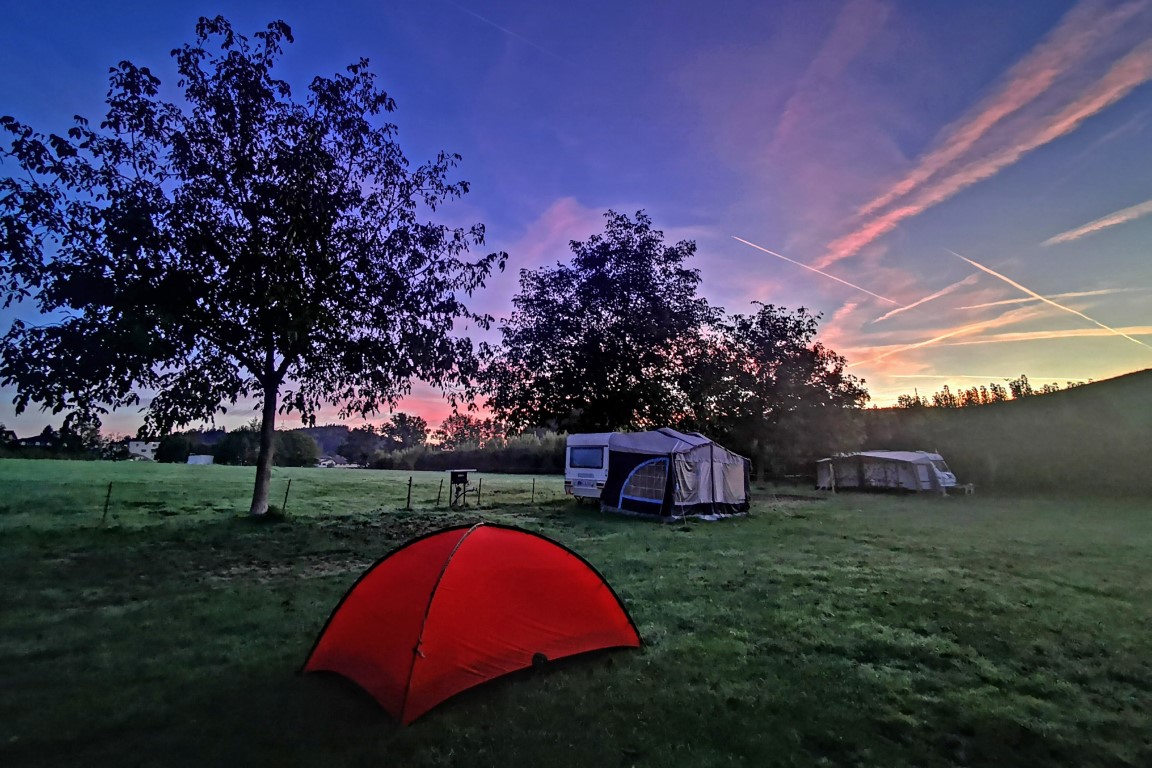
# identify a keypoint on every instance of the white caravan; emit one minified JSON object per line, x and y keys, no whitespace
{"x":586,"y":464}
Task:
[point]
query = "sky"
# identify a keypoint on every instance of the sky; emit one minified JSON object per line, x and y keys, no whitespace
{"x":962,"y":190}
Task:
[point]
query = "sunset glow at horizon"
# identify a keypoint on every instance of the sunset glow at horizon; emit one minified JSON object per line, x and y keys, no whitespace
{"x":863,"y":141}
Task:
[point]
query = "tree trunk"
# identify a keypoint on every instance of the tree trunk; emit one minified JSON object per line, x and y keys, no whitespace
{"x":264,"y":460}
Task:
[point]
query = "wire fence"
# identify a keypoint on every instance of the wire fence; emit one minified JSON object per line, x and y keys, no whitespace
{"x":59,"y":493}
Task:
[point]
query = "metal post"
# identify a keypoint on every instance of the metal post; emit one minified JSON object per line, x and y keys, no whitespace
{"x":284,"y":507}
{"x":107,"y":498}
{"x":479,"y":485}
{"x":439,"y":491}
{"x":408,"y":506}
{"x":533,"y":501}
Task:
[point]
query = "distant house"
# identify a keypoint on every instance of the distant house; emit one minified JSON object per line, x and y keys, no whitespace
{"x":39,"y":441}
{"x":7,"y":437}
{"x":143,"y":449}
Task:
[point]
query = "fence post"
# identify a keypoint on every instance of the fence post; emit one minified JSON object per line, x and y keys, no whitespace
{"x":533,"y":499}
{"x":479,"y":485}
{"x":408,"y":505}
{"x":439,"y":491}
{"x":284,"y":506}
{"x":107,"y":498}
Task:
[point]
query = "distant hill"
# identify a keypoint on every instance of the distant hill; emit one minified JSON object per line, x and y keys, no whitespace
{"x":1096,"y":437}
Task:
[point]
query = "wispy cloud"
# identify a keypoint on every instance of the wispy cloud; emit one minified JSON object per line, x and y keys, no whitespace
{"x":817,"y":271}
{"x":1070,"y":295}
{"x":939,"y":181}
{"x":1073,"y":333}
{"x":970,"y":280}
{"x":996,"y":322}
{"x":1111,"y":220}
{"x":856,"y":25}
{"x":1067,"y":46}
{"x":1048,"y":301}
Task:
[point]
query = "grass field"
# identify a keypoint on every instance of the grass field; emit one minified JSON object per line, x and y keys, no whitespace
{"x":852,"y":630}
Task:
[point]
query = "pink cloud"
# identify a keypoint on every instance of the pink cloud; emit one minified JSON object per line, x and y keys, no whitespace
{"x":1066,"y":47}
{"x":857,"y":24}
{"x":1126,"y":74}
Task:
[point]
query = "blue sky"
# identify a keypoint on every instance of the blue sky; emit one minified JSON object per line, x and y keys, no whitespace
{"x":876,"y":141}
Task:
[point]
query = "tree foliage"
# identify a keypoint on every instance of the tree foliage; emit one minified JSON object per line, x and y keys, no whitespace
{"x":406,"y":431}
{"x":1016,"y":389}
{"x":765,"y":386}
{"x":235,"y":242}
{"x":296,"y":449}
{"x":594,"y":344}
{"x":462,"y":429}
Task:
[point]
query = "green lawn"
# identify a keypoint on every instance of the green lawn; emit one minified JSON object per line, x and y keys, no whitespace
{"x":852,"y":630}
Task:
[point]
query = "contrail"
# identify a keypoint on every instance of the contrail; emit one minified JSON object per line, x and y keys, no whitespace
{"x":1071,"y":295}
{"x":1074,"y":39}
{"x":813,"y":269}
{"x":1048,"y":301}
{"x":1005,"y":338}
{"x":509,"y":32}
{"x":926,"y":342}
{"x":1127,"y":74}
{"x":942,"y":292}
{"x":1111,"y":220}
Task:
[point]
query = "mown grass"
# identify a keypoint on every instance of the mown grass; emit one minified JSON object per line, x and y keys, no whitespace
{"x":853,"y":630}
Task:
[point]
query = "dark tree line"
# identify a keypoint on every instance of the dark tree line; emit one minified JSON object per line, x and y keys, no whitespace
{"x":1016,"y":389}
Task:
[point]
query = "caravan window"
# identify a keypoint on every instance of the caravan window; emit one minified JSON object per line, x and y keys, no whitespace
{"x":647,"y":482}
{"x":940,"y":465}
{"x":586,"y":458}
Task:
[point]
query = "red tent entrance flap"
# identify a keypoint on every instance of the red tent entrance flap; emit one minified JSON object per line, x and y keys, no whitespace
{"x":462,"y":606}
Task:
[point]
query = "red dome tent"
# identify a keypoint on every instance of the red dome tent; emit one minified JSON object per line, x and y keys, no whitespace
{"x":462,"y":606}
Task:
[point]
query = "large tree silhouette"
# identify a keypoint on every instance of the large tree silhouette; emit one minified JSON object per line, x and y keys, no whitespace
{"x":233,"y":242}
{"x":595,"y":344}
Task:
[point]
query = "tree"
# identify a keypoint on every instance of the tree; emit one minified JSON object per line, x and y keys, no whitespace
{"x":174,"y":449}
{"x":360,"y":445}
{"x":1020,"y":387}
{"x":593,"y":345}
{"x":945,"y":398}
{"x":233,"y":243}
{"x":406,"y":431}
{"x":240,"y":447}
{"x":764,"y":384}
{"x":296,"y":449}
{"x":460,"y":429}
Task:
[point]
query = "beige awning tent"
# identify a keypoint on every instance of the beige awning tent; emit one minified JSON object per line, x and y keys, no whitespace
{"x":896,"y":470}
